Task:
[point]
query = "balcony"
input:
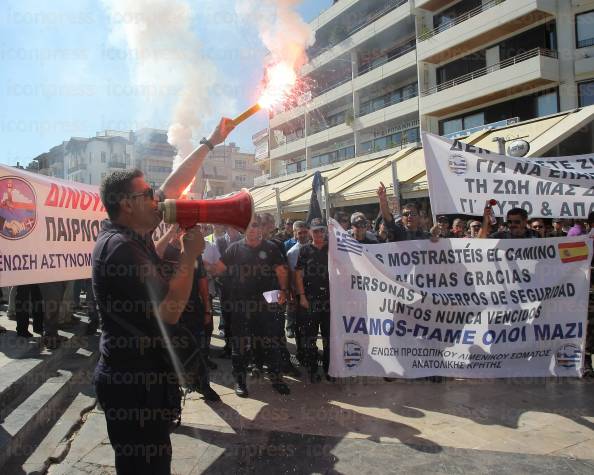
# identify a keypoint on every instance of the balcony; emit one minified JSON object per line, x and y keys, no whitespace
{"x":481,"y":26}
{"x":535,"y":68}
{"x":398,"y":110}
{"x":394,"y":12}
{"x":114,"y":164}
{"x":391,"y":102}
{"x":431,"y":5}
{"x":314,"y":52}
{"x":395,"y":54}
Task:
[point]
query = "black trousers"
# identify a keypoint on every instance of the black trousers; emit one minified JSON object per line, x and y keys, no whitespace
{"x":257,"y":330}
{"x":29,"y":304}
{"x":137,"y":418}
{"x":309,"y":323}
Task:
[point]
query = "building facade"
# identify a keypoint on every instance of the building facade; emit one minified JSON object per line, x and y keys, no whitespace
{"x":89,"y":160}
{"x":382,"y":70}
{"x":227,"y":169}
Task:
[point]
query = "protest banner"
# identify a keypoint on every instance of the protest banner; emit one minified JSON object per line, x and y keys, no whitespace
{"x":48,"y":227}
{"x":463,"y":177}
{"x":469,"y":308}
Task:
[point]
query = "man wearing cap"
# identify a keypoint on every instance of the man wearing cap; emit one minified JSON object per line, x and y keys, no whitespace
{"x":313,"y":292}
{"x":256,"y":268}
{"x":359,"y":229}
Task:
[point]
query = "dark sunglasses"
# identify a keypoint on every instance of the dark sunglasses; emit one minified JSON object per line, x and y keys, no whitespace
{"x":148,"y":193}
{"x":409,"y":213}
{"x":536,"y":226}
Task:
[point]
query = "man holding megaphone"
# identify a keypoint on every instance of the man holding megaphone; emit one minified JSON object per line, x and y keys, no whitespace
{"x":134,"y":379}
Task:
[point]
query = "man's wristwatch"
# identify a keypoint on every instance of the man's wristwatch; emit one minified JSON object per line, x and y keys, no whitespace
{"x":208,"y":143}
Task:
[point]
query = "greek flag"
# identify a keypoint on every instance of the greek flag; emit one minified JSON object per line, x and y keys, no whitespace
{"x":346,"y":243}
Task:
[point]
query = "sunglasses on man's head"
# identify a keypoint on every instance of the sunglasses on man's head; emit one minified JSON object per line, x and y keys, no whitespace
{"x":476,"y":226}
{"x":148,"y":193}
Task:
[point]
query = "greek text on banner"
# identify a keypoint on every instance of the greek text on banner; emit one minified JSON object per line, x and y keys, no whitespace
{"x":463,"y":177}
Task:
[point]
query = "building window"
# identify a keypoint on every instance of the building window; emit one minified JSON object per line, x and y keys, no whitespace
{"x":103,"y":157}
{"x":586,"y":93}
{"x":295,"y":167}
{"x":241,"y":179}
{"x":584,"y":29}
{"x":240,"y":164}
{"x":462,"y":123}
{"x":547,"y":104}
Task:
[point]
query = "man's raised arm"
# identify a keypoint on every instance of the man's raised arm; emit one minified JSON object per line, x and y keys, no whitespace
{"x":180,"y":178}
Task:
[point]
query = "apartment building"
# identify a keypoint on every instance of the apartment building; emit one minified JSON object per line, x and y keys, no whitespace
{"x":227,"y":169}
{"x":362,"y":89}
{"x":487,"y":61}
{"x":89,"y":159}
{"x":382,"y":70}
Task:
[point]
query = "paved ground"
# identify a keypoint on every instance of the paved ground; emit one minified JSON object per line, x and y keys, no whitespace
{"x":516,"y":426}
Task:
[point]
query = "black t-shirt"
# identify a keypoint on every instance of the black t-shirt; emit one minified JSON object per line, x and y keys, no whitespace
{"x":313,"y":262}
{"x":193,"y":314}
{"x":129,"y":283}
{"x":529,"y":234}
{"x":251,"y":270}
{"x":398,"y":232}
{"x":280,"y":244}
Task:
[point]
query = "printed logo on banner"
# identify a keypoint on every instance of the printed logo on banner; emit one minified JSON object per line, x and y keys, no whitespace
{"x":458,"y":164}
{"x":568,"y":356}
{"x":353,"y":354}
{"x":18,"y":210}
{"x":573,"y":251}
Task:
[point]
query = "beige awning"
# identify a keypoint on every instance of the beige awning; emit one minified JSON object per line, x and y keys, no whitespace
{"x":570,"y":124}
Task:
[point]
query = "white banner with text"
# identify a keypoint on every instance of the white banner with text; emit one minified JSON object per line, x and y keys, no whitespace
{"x":463,"y":177}
{"x":468,"y":308}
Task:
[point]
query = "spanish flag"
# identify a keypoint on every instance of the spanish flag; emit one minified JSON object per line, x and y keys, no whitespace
{"x":573,"y":251}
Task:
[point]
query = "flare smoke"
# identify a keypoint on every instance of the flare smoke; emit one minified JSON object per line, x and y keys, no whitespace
{"x":166,"y":52}
{"x":282,"y":30}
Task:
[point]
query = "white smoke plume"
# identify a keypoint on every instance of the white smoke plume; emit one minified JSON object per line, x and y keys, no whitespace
{"x":166,"y":54}
{"x":282,"y":30}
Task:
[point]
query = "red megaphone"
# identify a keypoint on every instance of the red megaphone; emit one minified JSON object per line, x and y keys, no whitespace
{"x":234,"y":211}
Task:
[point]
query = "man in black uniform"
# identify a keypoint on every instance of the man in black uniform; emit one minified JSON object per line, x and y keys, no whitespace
{"x":313,"y":292}
{"x":134,"y":378}
{"x":191,"y":331}
{"x":255,"y":266}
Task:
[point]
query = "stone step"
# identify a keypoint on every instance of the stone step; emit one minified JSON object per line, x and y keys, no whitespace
{"x":56,"y":444}
{"x":40,"y":409}
{"x":27,"y":370}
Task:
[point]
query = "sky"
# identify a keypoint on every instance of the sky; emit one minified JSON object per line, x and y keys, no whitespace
{"x":63,"y":74}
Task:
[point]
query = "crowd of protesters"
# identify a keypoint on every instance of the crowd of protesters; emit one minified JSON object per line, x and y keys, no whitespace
{"x":268,"y":286}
